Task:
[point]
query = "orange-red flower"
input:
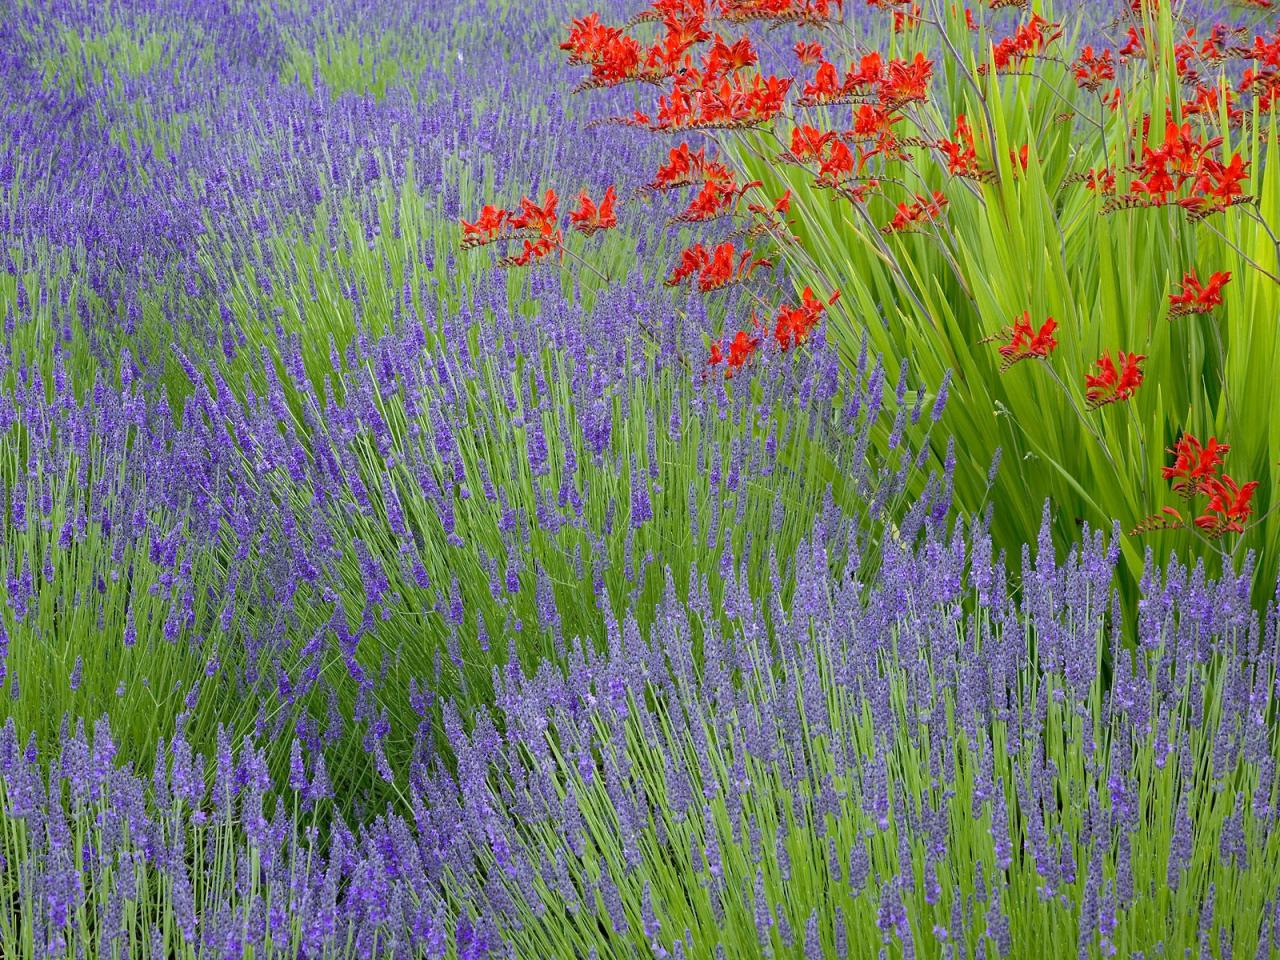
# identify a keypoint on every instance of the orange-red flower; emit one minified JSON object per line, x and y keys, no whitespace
{"x":486,"y":227}
{"x":905,"y":20}
{"x":1184,"y":162}
{"x":716,"y":199}
{"x":808,"y":53}
{"x":808,"y":144}
{"x":715,"y":269}
{"x":793,"y":324}
{"x":741,"y":348}
{"x":1193,"y":463}
{"x":961,"y":155}
{"x":1111,"y":384}
{"x":911,"y":216}
{"x":1135,"y":42}
{"x":905,"y":82}
{"x":1217,"y":185}
{"x":541,"y":219}
{"x":726,"y":58}
{"x":534,"y":250}
{"x":1019,"y":159}
{"x":685,"y":167}
{"x":1100,"y":181}
{"x":1207,"y":101}
{"x":1092,"y":70}
{"x":1196,"y":298}
{"x":838,"y":167}
{"x":1023,"y":342}
{"x":589,"y":218}
{"x":1229,"y":505}
{"x":1026,"y":42}
{"x":875,"y":123}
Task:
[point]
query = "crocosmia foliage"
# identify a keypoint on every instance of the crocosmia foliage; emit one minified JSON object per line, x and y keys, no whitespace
{"x":713,"y":479}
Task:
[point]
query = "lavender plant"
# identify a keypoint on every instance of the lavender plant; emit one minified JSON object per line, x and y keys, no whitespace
{"x":421,"y":515}
{"x":925,"y":765}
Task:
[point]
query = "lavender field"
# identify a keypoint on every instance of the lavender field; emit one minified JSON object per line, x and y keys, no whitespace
{"x":717,"y":480}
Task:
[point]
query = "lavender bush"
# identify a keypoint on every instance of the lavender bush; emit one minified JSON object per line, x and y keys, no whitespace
{"x":923,"y":766}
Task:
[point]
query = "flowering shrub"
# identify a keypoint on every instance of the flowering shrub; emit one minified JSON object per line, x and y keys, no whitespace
{"x":1040,"y":180}
{"x":925,"y":765}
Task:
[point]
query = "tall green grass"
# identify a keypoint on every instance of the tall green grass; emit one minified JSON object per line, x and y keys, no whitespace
{"x":1030,"y":241}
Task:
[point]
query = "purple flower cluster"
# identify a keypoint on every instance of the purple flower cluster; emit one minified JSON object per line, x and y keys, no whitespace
{"x":265,"y":508}
{"x":155,"y":152}
{"x":286,"y":546}
{"x":902,"y":763}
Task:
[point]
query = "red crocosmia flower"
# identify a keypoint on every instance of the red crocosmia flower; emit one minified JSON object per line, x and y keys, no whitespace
{"x":1018,"y":159}
{"x":738,"y":104}
{"x":870,"y":72}
{"x":1092,"y":70}
{"x":715,"y":199}
{"x":905,"y":20}
{"x":692,"y":260}
{"x":534,"y":250}
{"x":741,"y":348}
{"x":541,"y":219}
{"x":686,"y":167}
{"x":1157,"y":186}
{"x":716,"y":355}
{"x":912,"y":216}
{"x":714,"y":269}
{"x":1193,"y":463}
{"x":675,"y":110}
{"x":875,"y":123}
{"x":781,"y":205}
{"x":1229,"y":505}
{"x":838,"y":167}
{"x":1207,"y":101}
{"x":724,"y":58}
{"x":809,"y":143}
{"x":587,"y":37}
{"x":1218,"y":185}
{"x":1196,"y":298}
{"x":1100,"y":181}
{"x":724,"y":269}
{"x":1110,"y":384}
{"x":1135,"y":43}
{"x":828,"y":87}
{"x":589,"y":218}
{"x":961,"y":154}
{"x":1023,"y":342}
{"x":794,"y":323}
{"x":905,"y":82}
{"x":1185,"y":151}
{"x":808,"y":53}
{"x":1264,"y":84}
{"x":1026,"y":42}
{"x":486,"y":227}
